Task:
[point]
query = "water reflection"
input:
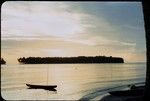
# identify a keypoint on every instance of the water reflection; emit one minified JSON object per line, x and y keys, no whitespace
{"x":45,"y":89}
{"x":74,"y":81}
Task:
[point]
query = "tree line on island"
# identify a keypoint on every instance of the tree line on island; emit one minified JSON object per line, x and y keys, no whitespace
{"x":62,"y":60}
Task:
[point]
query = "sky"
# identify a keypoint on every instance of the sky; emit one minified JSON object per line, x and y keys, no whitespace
{"x":48,"y":29}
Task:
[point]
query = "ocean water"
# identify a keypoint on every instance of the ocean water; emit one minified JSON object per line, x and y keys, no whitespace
{"x":74,"y":81}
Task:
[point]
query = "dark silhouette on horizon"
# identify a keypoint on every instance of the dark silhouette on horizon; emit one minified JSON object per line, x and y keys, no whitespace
{"x":3,"y":61}
{"x":63,"y":60}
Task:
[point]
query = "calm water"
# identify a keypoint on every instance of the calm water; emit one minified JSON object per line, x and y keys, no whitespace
{"x":74,"y":81}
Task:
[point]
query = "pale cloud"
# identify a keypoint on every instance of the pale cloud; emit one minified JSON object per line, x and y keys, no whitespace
{"x":38,"y":20}
{"x":47,"y":19}
{"x":129,"y":44}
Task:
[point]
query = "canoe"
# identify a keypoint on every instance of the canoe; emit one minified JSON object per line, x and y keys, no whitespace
{"x":132,"y":92}
{"x":47,"y":87}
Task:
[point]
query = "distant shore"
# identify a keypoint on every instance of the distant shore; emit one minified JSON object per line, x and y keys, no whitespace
{"x":3,"y":61}
{"x":70,"y":60}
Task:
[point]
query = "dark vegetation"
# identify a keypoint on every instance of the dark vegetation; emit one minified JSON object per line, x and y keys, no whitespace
{"x":3,"y":61}
{"x":61,"y":60}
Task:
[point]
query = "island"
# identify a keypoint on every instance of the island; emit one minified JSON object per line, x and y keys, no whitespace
{"x":69,"y":60}
{"x":3,"y":61}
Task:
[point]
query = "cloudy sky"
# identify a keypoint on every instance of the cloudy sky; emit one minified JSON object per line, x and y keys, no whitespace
{"x":72,"y":29}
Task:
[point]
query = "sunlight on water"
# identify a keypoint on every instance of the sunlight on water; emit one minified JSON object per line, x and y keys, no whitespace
{"x":74,"y":81}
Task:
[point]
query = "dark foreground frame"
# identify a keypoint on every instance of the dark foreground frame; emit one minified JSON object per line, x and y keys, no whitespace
{"x":146,"y":12}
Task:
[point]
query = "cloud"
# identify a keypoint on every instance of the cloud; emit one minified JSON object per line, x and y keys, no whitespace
{"x":31,"y":19}
{"x":47,"y":19}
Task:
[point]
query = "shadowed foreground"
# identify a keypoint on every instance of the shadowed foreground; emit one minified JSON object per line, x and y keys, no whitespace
{"x":134,"y":94}
{"x":122,"y":98}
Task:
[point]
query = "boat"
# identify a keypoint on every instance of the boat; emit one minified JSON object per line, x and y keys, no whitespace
{"x":131,"y":92}
{"x":46,"y":87}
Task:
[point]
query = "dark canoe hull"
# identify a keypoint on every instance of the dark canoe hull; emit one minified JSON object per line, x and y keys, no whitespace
{"x":47,"y":87}
{"x":137,"y":92}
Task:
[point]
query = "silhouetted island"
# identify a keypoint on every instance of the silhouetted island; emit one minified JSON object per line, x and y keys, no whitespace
{"x":3,"y":61}
{"x":62,"y":60}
